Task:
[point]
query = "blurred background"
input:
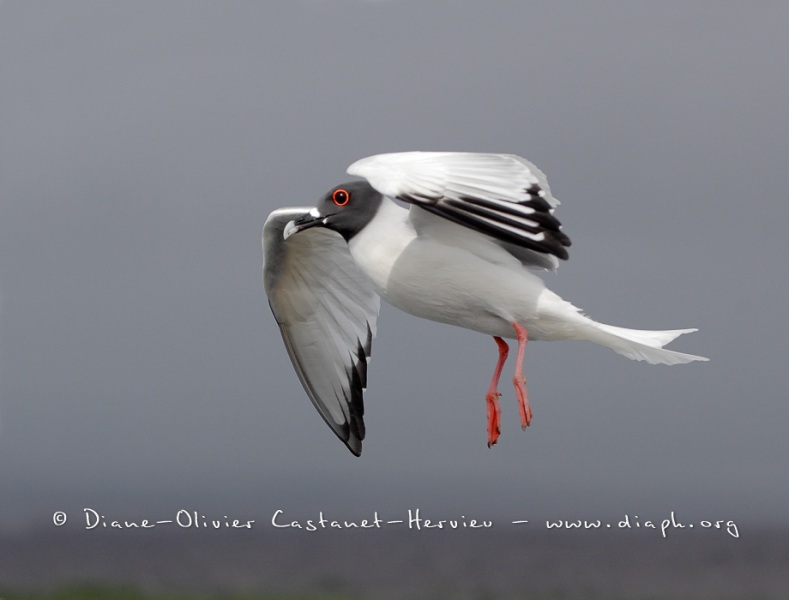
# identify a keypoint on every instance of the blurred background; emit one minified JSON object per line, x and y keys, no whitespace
{"x":143,"y":144}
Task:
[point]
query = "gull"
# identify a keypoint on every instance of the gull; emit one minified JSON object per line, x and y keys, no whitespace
{"x":453,"y":237}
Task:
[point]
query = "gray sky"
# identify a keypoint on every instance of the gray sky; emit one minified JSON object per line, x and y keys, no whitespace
{"x":142,"y":145}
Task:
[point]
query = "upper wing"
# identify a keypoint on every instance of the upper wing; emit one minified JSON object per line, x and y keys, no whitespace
{"x":501,"y":195}
{"x":326,"y":312}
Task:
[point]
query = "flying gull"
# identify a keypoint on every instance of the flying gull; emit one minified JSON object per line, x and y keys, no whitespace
{"x":463,"y":253}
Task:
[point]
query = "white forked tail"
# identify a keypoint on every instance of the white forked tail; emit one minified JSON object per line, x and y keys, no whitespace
{"x":642,"y":344}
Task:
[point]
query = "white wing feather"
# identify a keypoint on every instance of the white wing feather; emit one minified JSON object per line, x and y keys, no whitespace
{"x":500,"y":195}
{"x":452,"y":175}
{"x":327,"y":313}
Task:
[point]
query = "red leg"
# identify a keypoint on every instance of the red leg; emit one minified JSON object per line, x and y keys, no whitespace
{"x":519,"y":379}
{"x":492,"y":397}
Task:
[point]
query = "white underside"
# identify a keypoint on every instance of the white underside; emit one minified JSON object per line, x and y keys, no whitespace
{"x":432,"y":268}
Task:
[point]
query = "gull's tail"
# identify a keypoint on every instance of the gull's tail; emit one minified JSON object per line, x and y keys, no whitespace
{"x":641,"y":344}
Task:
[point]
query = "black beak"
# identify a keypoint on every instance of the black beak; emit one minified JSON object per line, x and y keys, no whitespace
{"x":302,"y":223}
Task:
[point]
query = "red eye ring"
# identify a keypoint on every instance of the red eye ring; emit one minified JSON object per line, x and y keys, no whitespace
{"x":340,"y":197}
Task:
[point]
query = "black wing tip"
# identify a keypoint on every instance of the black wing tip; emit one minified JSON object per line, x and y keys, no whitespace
{"x":554,"y":242}
{"x":354,"y":430}
{"x":350,"y":435}
{"x":355,"y":446}
{"x":561,"y":253}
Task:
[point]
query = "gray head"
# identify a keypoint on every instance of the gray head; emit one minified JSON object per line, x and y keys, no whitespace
{"x":346,"y":209}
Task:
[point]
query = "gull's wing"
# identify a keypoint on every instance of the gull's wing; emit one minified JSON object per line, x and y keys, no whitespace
{"x":501,"y":195}
{"x":326,"y":312}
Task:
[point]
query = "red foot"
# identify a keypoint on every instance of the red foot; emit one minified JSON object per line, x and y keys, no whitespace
{"x":519,"y":379}
{"x":492,"y":397}
{"x":494,"y":417}
{"x":523,"y":400}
